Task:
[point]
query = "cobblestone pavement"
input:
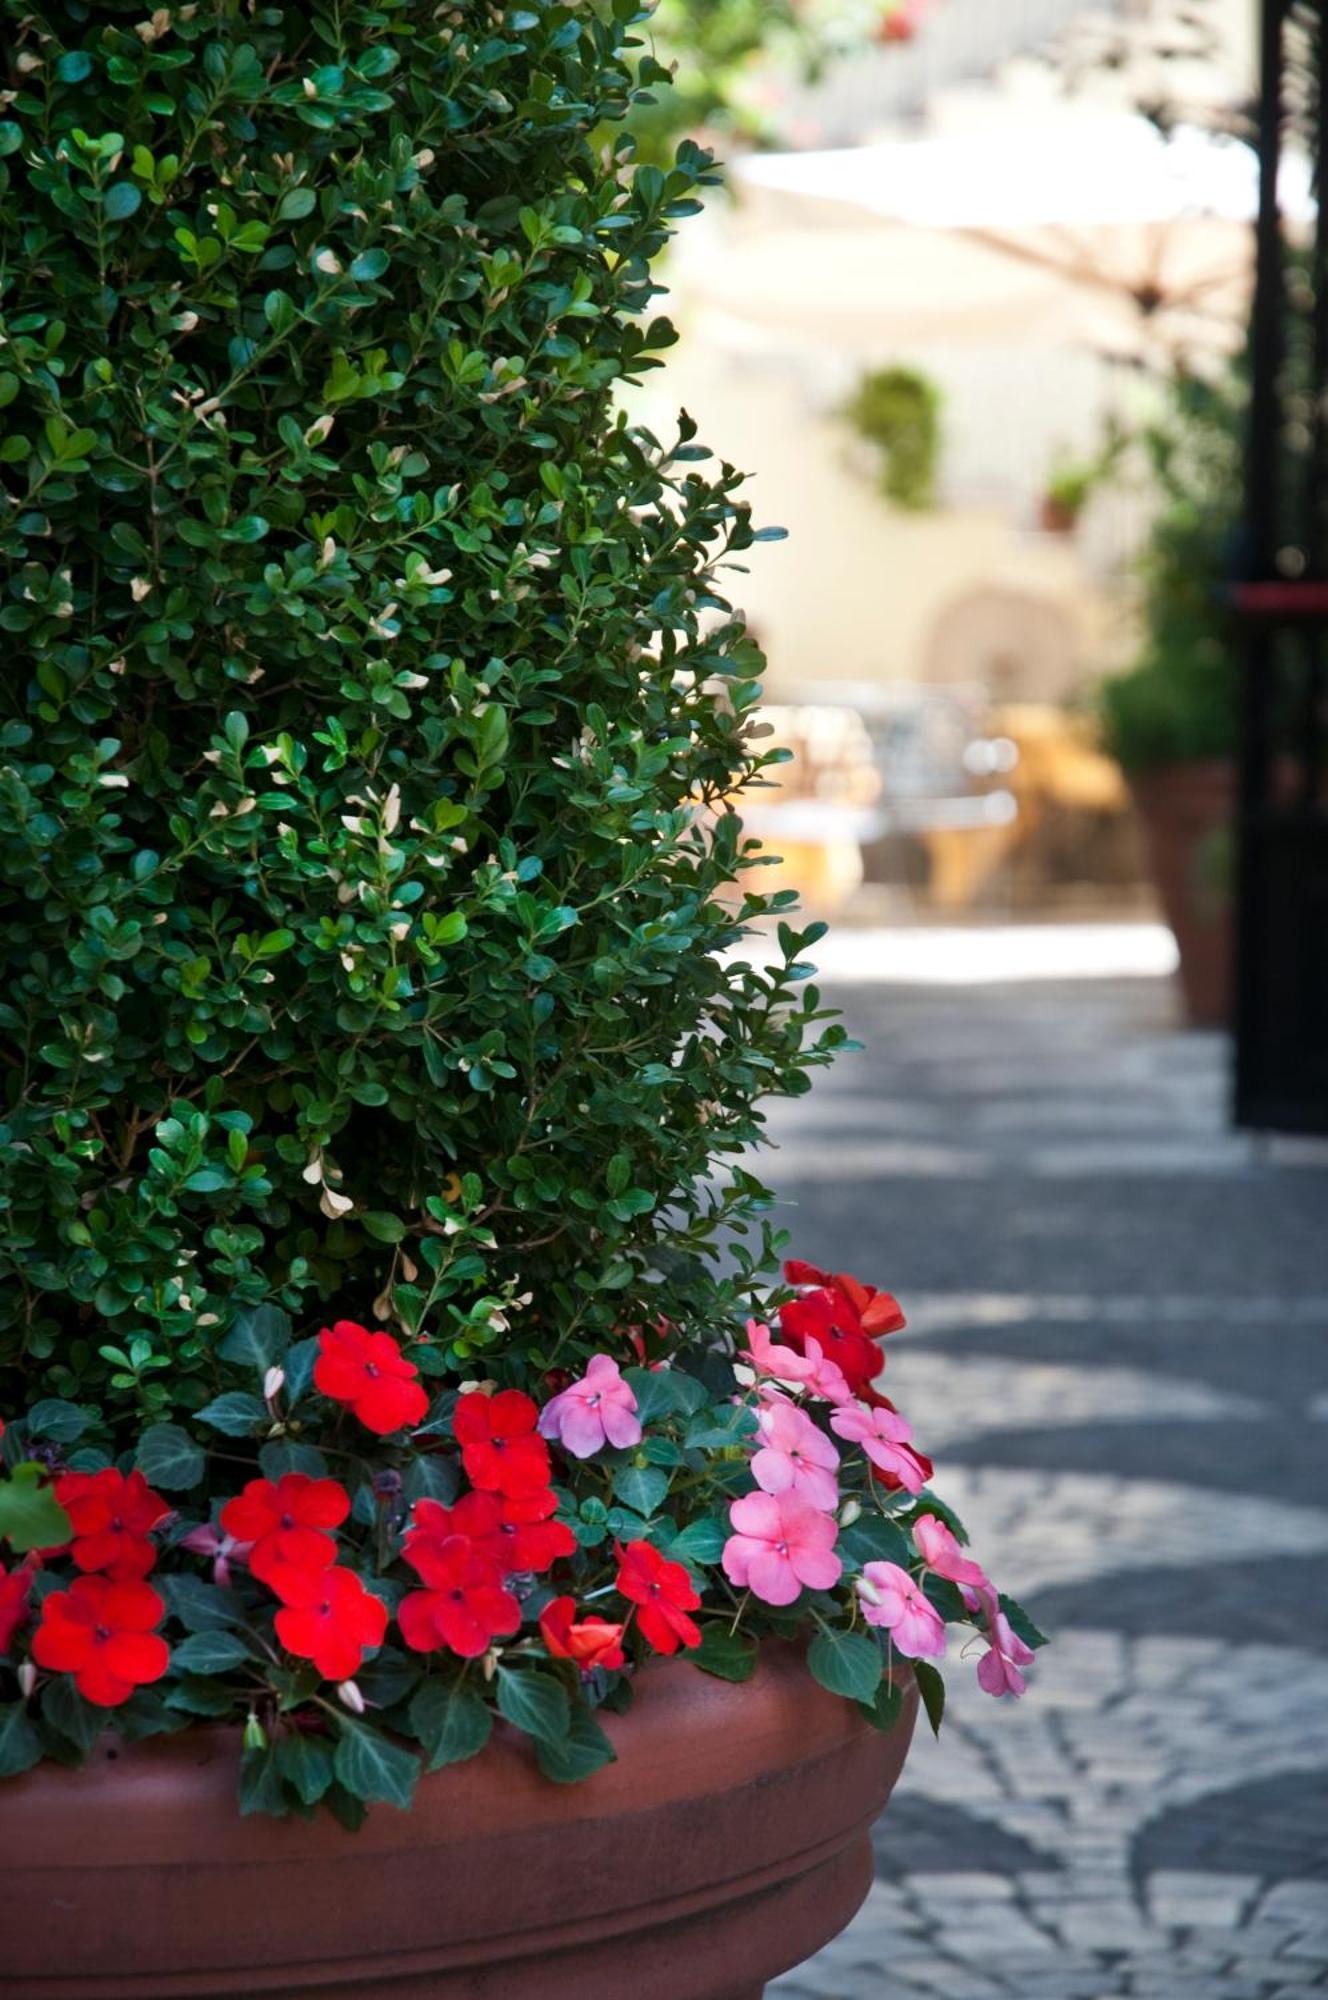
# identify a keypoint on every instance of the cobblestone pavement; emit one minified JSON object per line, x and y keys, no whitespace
{"x":1118,"y":1310}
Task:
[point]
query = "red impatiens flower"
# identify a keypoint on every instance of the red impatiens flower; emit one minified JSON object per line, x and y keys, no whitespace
{"x":465,"y":1609}
{"x":844,"y":1315}
{"x":287,"y":1520}
{"x":664,"y":1592}
{"x":112,"y":1515}
{"x":15,"y":1588}
{"x":517,"y":1535}
{"x":330,"y":1618}
{"x":104,"y":1634}
{"x":371,"y":1376}
{"x":500,"y":1448}
{"x":590,"y":1641}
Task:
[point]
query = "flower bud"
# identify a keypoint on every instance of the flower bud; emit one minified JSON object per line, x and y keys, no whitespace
{"x":349,"y":1695}
{"x":27,"y":1679}
{"x":273,"y":1384}
{"x":850,"y":1512}
{"x":255,"y":1736}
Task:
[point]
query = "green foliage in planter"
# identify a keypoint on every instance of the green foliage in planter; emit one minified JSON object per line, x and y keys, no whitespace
{"x":899,"y":411}
{"x":1177,"y":704}
{"x":373,"y":710}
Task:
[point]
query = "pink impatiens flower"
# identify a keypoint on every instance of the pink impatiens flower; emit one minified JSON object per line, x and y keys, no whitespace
{"x":810,"y":1371}
{"x":891,"y":1600}
{"x":998,"y":1669}
{"x":600,"y":1409}
{"x":780,"y":1542}
{"x":942,"y":1554}
{"x":795,"y":1457}
{"x":883,"y":1435}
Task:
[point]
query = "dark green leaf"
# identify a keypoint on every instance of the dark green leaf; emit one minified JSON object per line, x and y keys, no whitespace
{"x":847,"y":1663}
{"x":373,"y":1768}
{"x":30,"y":1515}
{"x":305,"y":1762}
{"x":212,"y":1652}
{"x":584,"y":1750}
{"x":169,"y":1458}
{"x":451,"y":1720}
{"x":534,"y":1702}
{"x":730,"y":1656}
{"x":20,"y":1745}
{"x":932,"y":1689}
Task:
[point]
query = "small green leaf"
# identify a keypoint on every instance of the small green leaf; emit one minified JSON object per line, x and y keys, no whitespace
{"x":932,"y":1689}
{"x":295,"y":205}
{"x":121,"y":201}
{"x":700,"y":1541}
{"x":200,"y":1606}
{"x":847,"y":1663}
{"x":372,"y":1768}
{"x":452,"y":1721}
{"x":534,"y":1702}
{"x":584,"y":1750}
{"x":168,"y":1457}
{"x":30,"y":1515}
{"x":369,"y":264}
{"x":729,"y":1656}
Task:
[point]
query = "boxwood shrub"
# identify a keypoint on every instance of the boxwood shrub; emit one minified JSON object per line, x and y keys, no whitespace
{"x":374,"y":709}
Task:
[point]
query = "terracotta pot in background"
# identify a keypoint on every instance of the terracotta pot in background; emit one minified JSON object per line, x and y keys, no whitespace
{"x":1187,"y":813}
{"x":728,"y":1842}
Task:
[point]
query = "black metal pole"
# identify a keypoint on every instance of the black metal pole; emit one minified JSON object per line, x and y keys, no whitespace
{"x":1260,"y":550}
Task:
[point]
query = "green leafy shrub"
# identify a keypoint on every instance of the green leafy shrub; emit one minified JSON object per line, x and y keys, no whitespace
{"x":374,"y":712}
{"x":899,"y":411}
{"x":1178,"y":702}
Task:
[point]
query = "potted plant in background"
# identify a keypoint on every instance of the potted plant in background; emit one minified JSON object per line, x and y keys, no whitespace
{"x":1170,"y":720}
{"x":898,"y":411}
{"x":384,"y":1427}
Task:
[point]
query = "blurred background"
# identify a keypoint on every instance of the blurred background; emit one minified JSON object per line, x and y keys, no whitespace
{"x":986,"y":307}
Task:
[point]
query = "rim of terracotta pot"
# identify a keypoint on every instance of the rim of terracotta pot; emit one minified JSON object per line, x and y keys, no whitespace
{"x":728,"y":1841}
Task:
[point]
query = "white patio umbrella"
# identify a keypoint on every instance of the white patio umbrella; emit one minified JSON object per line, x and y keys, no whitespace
{"x":1142,"y":240}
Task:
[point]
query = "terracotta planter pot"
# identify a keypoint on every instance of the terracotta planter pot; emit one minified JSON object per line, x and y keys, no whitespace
{"x":728,"y":1842}
{"x":1187,"y":811}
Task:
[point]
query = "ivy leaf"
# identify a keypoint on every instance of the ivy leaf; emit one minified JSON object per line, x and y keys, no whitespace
{"x":168,"y":1457}
{"x":932,"y":1689}
{"x":451,"y":1720}
{"x":730,"y":1656}
{"x":30,"y":1515}
{"x":373,"y":1768}
{"x":534,"y":1702}
{"x":20,"y":1745}
{"x":847,"y":1663}
{"x":584,"y":1750}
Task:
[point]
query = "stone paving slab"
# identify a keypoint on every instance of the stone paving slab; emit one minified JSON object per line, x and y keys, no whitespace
{"x":1119,"y":1314}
